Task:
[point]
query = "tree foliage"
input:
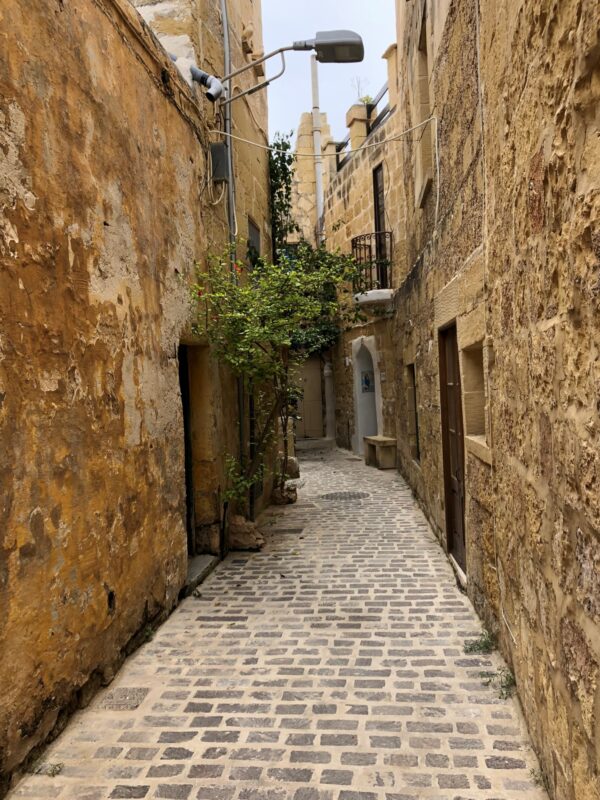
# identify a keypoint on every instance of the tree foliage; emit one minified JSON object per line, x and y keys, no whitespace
{"x":264,"y":317}
{"x":264,"y":321}
{"x":281,"y":174}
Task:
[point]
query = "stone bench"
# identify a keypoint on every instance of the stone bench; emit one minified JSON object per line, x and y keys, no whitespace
{"x":380,"y":452}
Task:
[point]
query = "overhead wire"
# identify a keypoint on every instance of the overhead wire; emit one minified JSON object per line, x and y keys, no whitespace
{"x":397,"y":137}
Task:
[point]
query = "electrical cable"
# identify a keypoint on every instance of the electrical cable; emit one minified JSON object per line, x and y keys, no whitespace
{"x":395,"y":138}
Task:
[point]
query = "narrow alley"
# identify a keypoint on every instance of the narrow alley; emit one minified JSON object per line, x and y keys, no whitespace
{"x":329,"y":666}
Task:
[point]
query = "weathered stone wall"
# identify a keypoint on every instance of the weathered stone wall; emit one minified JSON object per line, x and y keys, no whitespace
{"x":445,"y":282}
{"x":517,"y":268}
{"x":541,"y":71}
{"x":503,"y":243}
{"x":103,"y":212}
{"x":192,"y":30}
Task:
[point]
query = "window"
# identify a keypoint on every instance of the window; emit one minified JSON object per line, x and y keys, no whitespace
{"x":474,"y":390}
{"x":382,"y":256}
{"x":424,"y":166}
{"x":379,"y":198}
{"x":253,"y":243}
{"x":413,"y":413}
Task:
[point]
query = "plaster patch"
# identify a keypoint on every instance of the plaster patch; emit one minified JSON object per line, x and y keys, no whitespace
{"x":15,"y":183}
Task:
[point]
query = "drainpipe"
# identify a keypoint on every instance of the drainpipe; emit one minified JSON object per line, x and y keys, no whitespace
{"x":316,"y":121}
{"x":213,"y":85}
{"x":231,"y":216}
{"x":227,"y":120}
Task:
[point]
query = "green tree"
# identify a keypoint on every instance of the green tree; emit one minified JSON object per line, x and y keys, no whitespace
{"x":281,"y":173}
{"x":264,"y":322}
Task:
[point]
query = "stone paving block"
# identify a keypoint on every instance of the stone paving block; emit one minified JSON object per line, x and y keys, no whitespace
{"x":330,"y":668}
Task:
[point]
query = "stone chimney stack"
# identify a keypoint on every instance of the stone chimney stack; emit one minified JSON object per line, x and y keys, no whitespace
{"x":357,"y":121}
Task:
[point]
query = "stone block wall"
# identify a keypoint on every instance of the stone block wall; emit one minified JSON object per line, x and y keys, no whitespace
{"x":193,"y":31}
{"x":304,"y":200}
{"x":348,"y":212}
{"x":540,"y":64}
{"x":501,"y":241}
{"x":445,"y":281}
{"x":103,"y":214}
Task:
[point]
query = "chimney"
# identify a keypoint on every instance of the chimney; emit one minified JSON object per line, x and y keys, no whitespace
{"x":356,"y":121}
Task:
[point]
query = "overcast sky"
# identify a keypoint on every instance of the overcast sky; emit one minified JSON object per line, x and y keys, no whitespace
{"x":286,"y":21}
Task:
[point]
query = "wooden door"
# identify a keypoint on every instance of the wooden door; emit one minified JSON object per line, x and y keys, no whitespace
{"x":310,"y":407}
{"x":453,"y":445}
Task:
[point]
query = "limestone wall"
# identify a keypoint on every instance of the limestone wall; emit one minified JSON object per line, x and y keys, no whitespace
{"x":348,"y":213}
{"x":510,"y":262}
{"x":541,"y":71}
{"x":445,"y":279}
{"x":193,"y":31}
{"x":304,"y":199}
{"x":500,"y":239}
{"x":103,"y":212}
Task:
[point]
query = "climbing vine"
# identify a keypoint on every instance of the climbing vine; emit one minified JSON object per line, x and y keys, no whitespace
{"x":263,"y":318}
{"x":281,"y":174}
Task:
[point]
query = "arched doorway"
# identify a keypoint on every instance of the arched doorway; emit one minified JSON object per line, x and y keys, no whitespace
{"x":365,"y":396}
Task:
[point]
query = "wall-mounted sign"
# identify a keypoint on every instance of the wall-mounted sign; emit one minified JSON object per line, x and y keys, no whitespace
{"x":367,"y":381}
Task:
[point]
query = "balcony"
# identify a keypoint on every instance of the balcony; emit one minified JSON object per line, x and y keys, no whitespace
{"x":372,"y":252}
{"x":379,"y":109}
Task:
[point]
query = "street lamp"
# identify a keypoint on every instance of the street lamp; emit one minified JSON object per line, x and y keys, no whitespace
{"x":331,"y":47}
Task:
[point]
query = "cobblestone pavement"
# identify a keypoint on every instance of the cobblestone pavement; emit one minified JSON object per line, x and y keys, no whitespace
{"x":330,"y":666}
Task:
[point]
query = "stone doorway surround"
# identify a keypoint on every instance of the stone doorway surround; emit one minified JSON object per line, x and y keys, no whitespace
{"x":365,"y":345}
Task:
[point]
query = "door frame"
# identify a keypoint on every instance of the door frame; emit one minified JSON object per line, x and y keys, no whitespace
{"x":186,"y":402}
{"x":444,"y":419}
{"x":370,"y":344}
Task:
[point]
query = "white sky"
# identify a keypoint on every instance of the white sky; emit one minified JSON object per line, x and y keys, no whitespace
{"x":286,"y":21}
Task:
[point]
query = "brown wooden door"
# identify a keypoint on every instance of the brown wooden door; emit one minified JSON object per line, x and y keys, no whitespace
{"x":453,"y":445}
{"x":310,"y":407}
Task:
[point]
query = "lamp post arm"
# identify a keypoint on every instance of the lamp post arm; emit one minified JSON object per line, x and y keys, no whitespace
{"x":259,"y":86}
{"x":258,"y":61}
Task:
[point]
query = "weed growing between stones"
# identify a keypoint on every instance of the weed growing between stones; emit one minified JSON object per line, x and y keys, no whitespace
{"x":538,"y":776}
{"x":503,"y":680}
{"x":148,"y":633}
{"x":485,"y":643}
{"x":51,"y":770}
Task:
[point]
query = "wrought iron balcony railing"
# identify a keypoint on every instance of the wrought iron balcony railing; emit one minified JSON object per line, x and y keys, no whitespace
{"x":379,"y":109}
{"x":373,"y":254}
